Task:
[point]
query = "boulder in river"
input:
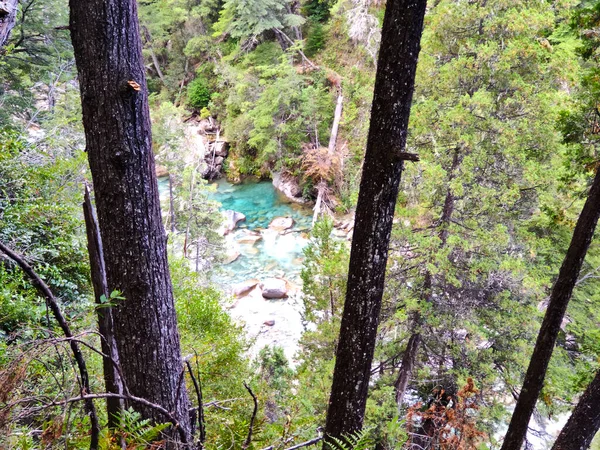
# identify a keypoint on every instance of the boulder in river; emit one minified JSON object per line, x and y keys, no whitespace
{"x":231,"y":219}
{"x":281,"y":224}
{"x":274,"y":288}
{"x":249,"y":238}
{"x":231,"y":256}
{"x":243,"y":288}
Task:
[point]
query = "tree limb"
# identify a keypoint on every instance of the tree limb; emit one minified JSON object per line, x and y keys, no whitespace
{"x":45,"y":292}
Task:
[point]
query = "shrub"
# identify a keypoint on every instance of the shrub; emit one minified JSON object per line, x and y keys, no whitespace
{"x":198,"y":94}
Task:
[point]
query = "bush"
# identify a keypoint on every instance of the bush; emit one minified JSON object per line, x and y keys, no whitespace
{"x":198,"y":94}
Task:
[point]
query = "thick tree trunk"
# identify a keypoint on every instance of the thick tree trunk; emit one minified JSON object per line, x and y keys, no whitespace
{"x":584,"y":422}
{"x":383,"y":165}
{"x":8,"y":17}
{"x":116,"y":121}
{"x":110,"y":361}
{"x":559,"y":299}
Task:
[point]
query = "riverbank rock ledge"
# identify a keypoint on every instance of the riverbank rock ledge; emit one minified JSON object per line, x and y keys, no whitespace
{"x":232,"y":218}
{"x":288,"y":186}
{"x":281,"y":224}
{"x":273,"y":288}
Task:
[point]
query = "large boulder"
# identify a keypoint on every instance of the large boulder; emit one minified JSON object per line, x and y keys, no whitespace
{"x":232,"y":218}
{"x":273,"y":288}
{"x":243,"y":288}
{"x":281,"y":224}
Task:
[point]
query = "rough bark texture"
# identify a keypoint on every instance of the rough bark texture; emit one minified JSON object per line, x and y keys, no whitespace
{"x":383,"y":165}
{"x":116,"y":120}
{"x":110,"y":362}
{"x":559,"y":299}
{"x":584,"y":422}
{"x":8,"y":17}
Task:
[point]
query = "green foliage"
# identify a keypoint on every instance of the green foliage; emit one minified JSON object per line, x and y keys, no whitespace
{"x":137,"y":433}
{"x":359,"y":440}
{"x":250,"y":18}
{"x":198,"y":94}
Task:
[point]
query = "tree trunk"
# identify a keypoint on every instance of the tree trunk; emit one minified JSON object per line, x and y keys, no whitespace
{"x":112,"y":380}
{"x":412,"y":349}
{"x":171,"y":205}
{"x":382,"y":170}
{"x":336,"y":123}
{"x":8,"y":17}
{"x":584,"y":422}
{"x":108,"y":53}
{"x":559,"y":299}
{"x":406,"y":369}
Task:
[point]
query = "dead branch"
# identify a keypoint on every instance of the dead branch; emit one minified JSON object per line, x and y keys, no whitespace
{"x":201,"y":422}
{"x":254,"y":412}
{"x":45,"y":292}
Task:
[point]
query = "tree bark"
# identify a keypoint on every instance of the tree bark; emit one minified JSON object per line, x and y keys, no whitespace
{"x":116,"y":119}
{"x":382,"y":170}
{"x":559,"y":299}
{"x":584,"y":422}
{"x":8,"y":18}
{"x":112,"y":380}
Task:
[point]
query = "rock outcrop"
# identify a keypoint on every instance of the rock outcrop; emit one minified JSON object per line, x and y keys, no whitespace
{"x":288,"y":186}
{"x":214,"y":157}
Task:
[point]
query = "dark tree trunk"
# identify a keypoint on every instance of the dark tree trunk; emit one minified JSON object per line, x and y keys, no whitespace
{"x":409,"y":360}
{"x":110,"y":361}
{"x":116,"y":121}
{"x":559,"y":299}
{"x":584,"y":422}
{"x":8,"y":17}
{"x":383,"y":165}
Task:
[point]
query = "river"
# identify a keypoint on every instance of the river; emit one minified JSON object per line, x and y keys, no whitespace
{"x":258,"y":253}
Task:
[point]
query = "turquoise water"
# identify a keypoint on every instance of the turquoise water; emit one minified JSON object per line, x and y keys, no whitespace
{"x":274,"y":254}
{"x":260,"y":202}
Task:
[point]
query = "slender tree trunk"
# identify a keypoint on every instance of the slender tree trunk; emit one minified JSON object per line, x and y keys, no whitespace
{"x":112,"y":380}
{"x":148,"y":39}
{"x":382,"y":170}
{"x":8,"y":17}
{"x":336,"y":123}
{"x":559,"y":299}
{"x":584,"y":422}
{"x":409,"y":360}
{"x":171,"y":205}
{"x":412,"y":349}
{"x":116,"y":119}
